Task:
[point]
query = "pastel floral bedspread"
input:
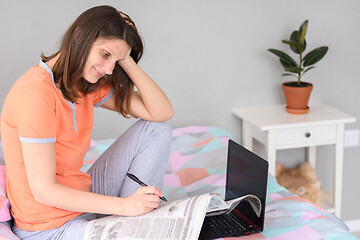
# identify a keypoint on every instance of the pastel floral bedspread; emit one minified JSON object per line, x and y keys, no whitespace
{"x":197,"y":165}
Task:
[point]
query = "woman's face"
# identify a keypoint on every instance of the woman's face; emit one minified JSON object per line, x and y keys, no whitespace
{"x":103,"y":56}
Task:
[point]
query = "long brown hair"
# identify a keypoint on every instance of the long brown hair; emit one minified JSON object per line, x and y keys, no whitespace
{"x":105,"y":22}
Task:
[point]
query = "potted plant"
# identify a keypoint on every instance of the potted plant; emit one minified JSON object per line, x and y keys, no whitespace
{"x":297,"y":93}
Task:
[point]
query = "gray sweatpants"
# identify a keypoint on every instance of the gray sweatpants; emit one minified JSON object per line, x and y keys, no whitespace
{"x":142,"y":150}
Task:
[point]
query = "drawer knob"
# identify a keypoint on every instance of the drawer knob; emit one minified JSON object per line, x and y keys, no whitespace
{"x":307,"y":134}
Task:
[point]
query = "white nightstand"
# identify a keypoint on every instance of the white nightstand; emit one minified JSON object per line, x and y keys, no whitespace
{"x":277,"y":129}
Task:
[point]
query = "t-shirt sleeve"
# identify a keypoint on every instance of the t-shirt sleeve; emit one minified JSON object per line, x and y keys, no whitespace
{"x":102,"y":95}
{"x":34,"y":113}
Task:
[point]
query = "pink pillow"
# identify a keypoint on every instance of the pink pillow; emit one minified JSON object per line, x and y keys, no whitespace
{"x":4,"y":202}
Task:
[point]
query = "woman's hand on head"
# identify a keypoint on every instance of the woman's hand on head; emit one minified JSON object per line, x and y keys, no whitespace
{"x":144,"y":200}
{"x":127,"y":19}
{"x":124,"y":62}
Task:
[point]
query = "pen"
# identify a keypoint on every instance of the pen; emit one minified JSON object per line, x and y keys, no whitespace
{"x":135,"y":179}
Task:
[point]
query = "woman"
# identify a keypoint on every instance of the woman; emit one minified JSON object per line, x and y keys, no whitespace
{"x":47,"y":120}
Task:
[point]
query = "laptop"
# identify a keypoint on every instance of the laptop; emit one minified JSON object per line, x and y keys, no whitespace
{"x":247,"y":173}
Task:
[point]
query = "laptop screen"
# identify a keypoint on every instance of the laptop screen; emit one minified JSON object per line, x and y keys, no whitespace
{"x":247,"y":173}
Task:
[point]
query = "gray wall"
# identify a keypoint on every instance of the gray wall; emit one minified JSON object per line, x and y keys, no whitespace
{"x":209,"y":57}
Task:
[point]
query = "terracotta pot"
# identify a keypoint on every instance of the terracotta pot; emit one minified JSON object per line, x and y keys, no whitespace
{"x":297,"y":97}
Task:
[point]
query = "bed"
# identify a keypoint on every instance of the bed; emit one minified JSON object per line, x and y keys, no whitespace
{"x":197,"y":164}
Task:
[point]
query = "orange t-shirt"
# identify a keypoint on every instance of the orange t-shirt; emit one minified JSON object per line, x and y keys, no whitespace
{"x":35,"y":111}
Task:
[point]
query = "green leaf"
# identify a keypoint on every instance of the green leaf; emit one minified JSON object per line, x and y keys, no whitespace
{"x":315,"y":55}
{"x":295,"y":36}
{"x":291,"y":42}
{"x":286,"y":63}
{"x":294,"y":69}
{"x":285,"y":59}
{"x":309,"y":69}
{"x":302,"y":31}
{"x":294,"y":46}
{"x":289,"y":74}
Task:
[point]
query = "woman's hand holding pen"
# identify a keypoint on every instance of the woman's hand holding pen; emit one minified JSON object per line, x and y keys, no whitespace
{"x":144,"y":200}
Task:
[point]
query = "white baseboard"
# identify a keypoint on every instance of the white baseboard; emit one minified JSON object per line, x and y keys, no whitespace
{"x":354,"y":225}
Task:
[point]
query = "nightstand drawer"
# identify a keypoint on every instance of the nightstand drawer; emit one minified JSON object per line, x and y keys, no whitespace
{"x":306,"y":135}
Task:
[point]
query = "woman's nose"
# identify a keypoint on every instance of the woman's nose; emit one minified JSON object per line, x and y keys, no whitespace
{"x":108,"y":68}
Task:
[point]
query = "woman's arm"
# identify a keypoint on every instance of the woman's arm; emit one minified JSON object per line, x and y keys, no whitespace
{"x":40,"y":164}
{"x":150,"y":102}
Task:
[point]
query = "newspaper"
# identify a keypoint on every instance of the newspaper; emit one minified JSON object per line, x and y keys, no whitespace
{"x":218,"y":206}
{"x":179,"y":219}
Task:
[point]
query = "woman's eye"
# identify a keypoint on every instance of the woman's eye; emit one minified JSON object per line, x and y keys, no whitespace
{"x":105,"y":54}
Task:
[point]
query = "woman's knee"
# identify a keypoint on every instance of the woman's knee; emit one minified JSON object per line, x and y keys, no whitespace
{"x":161,"y":130}
{"x":164,"y":129}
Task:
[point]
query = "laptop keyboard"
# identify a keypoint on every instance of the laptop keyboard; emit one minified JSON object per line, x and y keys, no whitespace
{"x":225,"y":224}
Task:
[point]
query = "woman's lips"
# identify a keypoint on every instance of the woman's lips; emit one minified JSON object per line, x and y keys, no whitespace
{"x":98,"y":74}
